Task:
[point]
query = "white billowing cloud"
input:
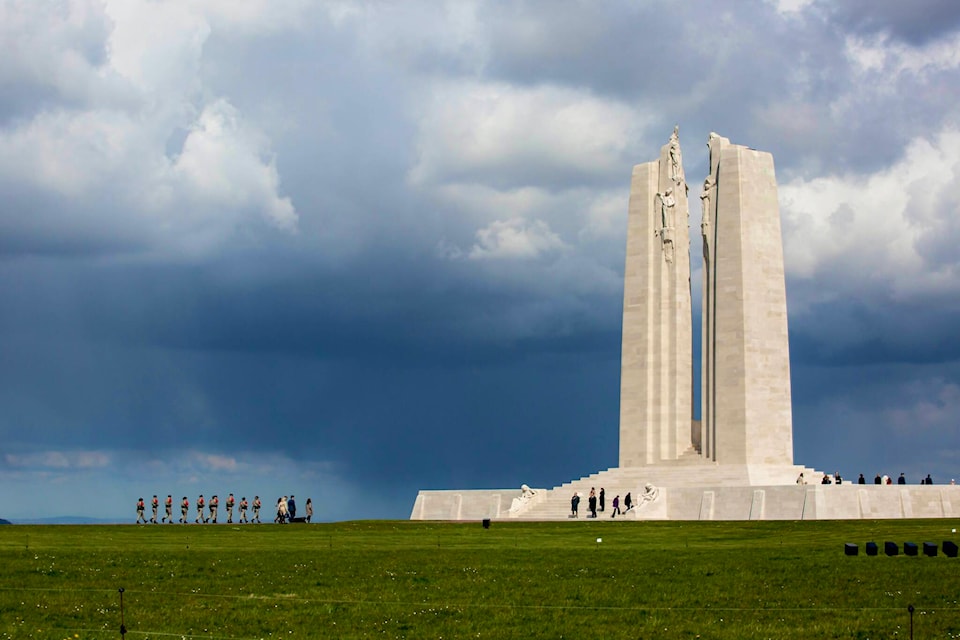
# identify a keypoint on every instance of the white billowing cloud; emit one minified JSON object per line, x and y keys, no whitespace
{"x":791,"y":6}
{"x":887,"y":228}
{"x":221,"y":161}
{"x":889,"y":58}
{"x":104,"y":148}
{"x":515,"y":238}
{"x":512,"y":136}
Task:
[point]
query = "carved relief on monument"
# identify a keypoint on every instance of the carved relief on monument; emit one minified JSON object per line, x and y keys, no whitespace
{"x":667,"y":205}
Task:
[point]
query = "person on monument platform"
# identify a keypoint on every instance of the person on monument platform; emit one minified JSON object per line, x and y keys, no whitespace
{"x":603,"y":500}
{"x":627,"y":502}
{"x":592,"y":503}
{"x":801,"y":480}
{"x":826,"y":479}
{"x":901,"y":479}
{"x":837,"y":479}
{"x":928,"y":479}
{"x":861,"y":480}
{"x":575,"y":505}
{"x":616,"y":506}
{"x":878,"y":480}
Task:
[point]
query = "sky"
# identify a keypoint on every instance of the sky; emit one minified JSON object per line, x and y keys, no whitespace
{"x":349,"y":250}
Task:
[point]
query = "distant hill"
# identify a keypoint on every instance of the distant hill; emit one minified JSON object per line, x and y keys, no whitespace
{"x":68,"y":520}
{"x":2,"y":521}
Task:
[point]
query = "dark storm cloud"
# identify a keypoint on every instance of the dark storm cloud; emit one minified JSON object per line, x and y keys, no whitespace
{"x":913,"y":22}
{"x":390,"y":335}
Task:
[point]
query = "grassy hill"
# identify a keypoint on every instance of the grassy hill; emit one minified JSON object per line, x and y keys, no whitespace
{"x":515,"y":580}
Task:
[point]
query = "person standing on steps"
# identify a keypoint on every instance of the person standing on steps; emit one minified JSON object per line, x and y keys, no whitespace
{"x":592,"y":503}
{"x":575,"y":505}
{"x":616,"y":507}
{"x":603,"y":500}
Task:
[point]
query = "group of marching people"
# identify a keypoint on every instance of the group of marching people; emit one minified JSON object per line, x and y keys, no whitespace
{"x":286,"y":510}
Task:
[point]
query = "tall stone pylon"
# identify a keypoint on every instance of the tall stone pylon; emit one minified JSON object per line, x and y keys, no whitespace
{"x":656,"y":354}
{"x":746,"y":413}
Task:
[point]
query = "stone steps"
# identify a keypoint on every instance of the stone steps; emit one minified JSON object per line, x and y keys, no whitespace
{"x":555,"y":505}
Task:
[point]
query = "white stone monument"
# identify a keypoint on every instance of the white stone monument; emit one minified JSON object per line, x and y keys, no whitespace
{"x":736,"y":463}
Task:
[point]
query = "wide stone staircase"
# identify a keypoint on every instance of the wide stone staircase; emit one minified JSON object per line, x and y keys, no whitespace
{"x":689,"y":471}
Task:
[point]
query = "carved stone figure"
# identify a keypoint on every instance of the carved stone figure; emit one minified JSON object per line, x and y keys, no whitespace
{"x":521,"y":503}
{"x":676,"y":160}
{"x":650,"y":494}
{"x":667,"y":204}
{"x":705,"y":219}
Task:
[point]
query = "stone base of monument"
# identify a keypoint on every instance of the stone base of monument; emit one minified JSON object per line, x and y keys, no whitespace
{"x":700,"y":492}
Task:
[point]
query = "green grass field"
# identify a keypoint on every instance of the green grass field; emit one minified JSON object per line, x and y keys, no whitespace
{"x":444,"y":580}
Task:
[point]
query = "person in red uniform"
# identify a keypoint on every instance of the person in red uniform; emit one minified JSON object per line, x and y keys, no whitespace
{"x":168,"y":509}
{"x":214,"y":504}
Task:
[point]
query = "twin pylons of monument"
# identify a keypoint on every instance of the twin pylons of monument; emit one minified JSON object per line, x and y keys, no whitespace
{"x":745,"y":413}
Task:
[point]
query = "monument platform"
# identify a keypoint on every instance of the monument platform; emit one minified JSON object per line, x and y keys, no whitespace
{"x":699,"y":492}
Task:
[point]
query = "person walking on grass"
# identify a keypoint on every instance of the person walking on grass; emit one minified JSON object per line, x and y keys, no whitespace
{"x":214,"y":505}
{"x":256,"y":510}
{"x":309,"y":509}
{"x":168,"y":509}
{"x":291,"y":508}
{"x":230,"y":502}
{"x":154,"y":504}
{"x":140,"y":508}
{"x":200,"y":504}
{"x":243,"y":510}
{"x":184,"y":508}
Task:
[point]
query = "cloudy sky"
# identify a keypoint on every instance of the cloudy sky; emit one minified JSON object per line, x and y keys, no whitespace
{"x":353,"y":249}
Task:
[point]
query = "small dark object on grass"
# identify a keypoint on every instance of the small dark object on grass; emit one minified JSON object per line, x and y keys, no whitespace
{"x":851,"y":549}
{"x":891,"y":548}
{"x":950,"y":548}
{"x":910,"y":548}
{"x":930,"y":549}
{"x":871,"y":548}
